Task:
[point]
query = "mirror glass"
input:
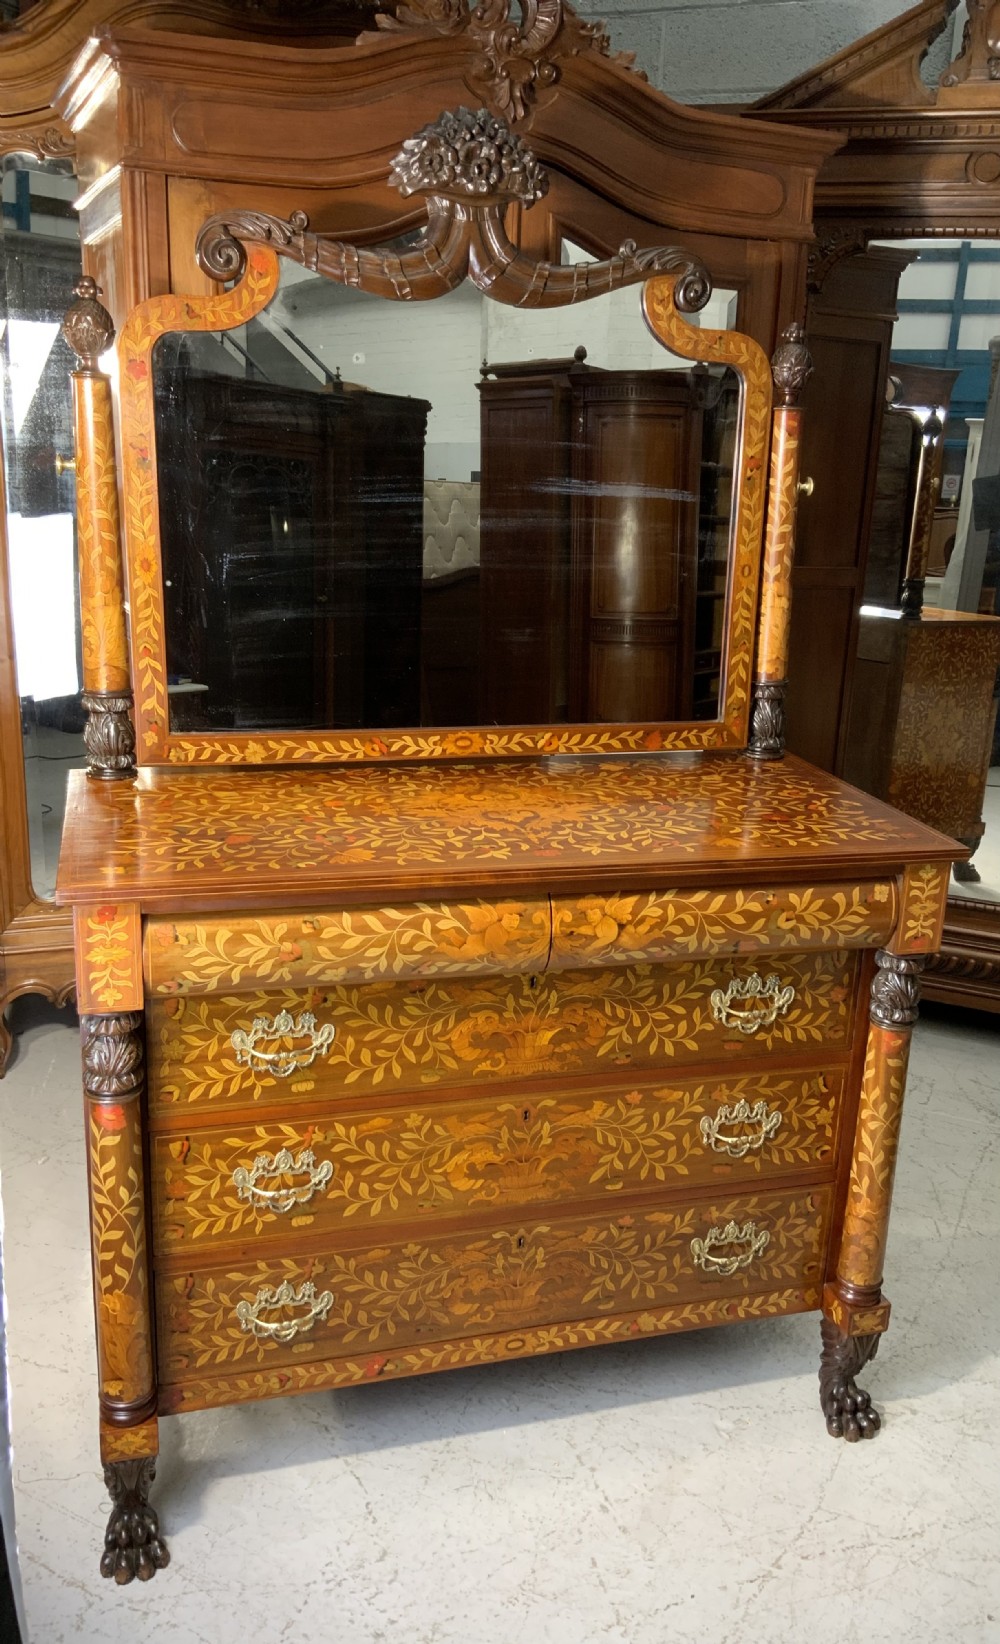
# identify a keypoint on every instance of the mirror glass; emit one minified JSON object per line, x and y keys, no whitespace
{"x":39,"y":266}
{"x":445,"y":513}
{"x":923,"y":726}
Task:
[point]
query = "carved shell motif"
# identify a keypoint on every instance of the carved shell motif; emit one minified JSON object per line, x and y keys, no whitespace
{"x":469,"y":155}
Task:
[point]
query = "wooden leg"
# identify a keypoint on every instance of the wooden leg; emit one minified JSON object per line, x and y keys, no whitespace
{"x":6,"y":1041}
{"x":855,"y":1311}
{"x":133,"y":1546}
{"x":114,"y":1082}
{"x":966,"y":872}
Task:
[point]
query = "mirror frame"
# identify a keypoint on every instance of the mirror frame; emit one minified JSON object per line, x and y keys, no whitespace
{"x":918,"y":163}
{"x":464,"y":237}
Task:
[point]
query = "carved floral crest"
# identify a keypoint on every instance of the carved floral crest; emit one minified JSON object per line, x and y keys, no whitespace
{"x":466,"y":155}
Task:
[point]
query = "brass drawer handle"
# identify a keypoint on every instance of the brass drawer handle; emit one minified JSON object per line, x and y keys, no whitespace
{"x":750,"y":1003}
{"x":282,"y":1062}
{"x":283,"y":1198}
{"x":766,"y":1124}
{"x":725,"y":1250}
{"x":285,"y":1296}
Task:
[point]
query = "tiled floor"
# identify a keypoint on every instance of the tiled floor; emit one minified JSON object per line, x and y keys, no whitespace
{"x":680,"y":1490}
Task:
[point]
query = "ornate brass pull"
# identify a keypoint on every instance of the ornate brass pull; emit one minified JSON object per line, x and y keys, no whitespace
{"x":749,"y":1003}
{"x":285,"y":1296}
{"x":281,"y":1198}
{"x":281,"y":1062}
{"x":766,"y":1124}
{"x":725,"y":1250}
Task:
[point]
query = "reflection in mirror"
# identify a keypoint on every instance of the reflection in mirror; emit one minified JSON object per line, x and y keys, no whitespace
{"x":383,"y":514}
{"x":924,"y":709}
{"x":40,"y":264}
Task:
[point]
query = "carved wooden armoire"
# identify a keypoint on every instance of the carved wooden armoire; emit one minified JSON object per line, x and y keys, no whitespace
{"x":415,"y":1046}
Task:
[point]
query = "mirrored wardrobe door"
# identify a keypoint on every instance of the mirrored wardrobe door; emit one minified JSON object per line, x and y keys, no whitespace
{"x":922,"y":725}
{"x":40,"y":717}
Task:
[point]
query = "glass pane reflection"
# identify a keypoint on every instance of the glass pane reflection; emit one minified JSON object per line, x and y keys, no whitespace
{"x":451,"y":513}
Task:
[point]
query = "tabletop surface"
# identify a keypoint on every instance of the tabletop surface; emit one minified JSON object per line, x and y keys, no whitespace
{"x":175,"y":839}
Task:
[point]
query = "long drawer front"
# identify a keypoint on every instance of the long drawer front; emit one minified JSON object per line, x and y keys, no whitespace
{"x":414,"y":1160}
{"x":376,"y":1298}
{"x":225,"y":1051}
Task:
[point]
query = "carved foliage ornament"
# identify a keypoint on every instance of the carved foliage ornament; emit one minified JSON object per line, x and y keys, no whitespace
{"x":469,"y":155}
{"x":896,"y":989}
{"x":470,"y":166}
{"x":517,"y":54}
{"x":112,"y":1055}
{"x":88,"y":327}
{"x":791,"y":364}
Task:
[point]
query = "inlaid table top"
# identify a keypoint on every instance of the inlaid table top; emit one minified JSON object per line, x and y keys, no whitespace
{"x":184,"y":838}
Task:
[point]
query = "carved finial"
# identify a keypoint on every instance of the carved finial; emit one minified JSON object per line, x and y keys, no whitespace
{"x":791,"y":364}
{"x":469,"y":155}
{"x":88,"y":327}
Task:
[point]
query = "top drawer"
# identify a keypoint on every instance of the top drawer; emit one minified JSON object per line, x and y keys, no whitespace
{"x":232,"y":1050}
{"x":220,"y":953}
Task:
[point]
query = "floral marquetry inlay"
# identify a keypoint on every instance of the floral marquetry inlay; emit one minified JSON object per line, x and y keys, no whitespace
{"x":506,"y":1278}
{"x":402,"y":1036}
{"x":209,"y":1389}
{"x":452,"y":1157}
{"x":297,"y":832}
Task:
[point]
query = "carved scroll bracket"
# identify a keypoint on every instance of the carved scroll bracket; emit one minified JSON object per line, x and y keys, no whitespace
{"x":470,"y":166}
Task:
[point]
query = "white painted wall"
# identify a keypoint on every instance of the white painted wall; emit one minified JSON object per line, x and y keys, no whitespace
{"x":715,"y":51}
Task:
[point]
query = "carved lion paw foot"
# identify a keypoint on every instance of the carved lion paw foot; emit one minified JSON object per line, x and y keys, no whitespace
{"x":132,"y":1543}
{"x":849,"y":1413}
{"x":846,"y":1406}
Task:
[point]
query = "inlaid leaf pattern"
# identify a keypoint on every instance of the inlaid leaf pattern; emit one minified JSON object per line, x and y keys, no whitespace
{"x":479,"y":938}
{"x":873,"y":1164}
{"x":117,"y":1212}
{"x":507,"y":1278}
{"x":408,"y":1035}
{"x":207,"y":1390}
{"x":545,"y":1148}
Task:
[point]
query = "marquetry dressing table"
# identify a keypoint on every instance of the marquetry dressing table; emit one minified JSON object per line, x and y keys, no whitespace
{"x":413,"y":1048}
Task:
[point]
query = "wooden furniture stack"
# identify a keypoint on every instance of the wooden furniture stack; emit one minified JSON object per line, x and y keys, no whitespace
{"x":406,"y":1049}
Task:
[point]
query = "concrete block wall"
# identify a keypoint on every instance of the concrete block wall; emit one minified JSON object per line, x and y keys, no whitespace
{"x":715,"y":51}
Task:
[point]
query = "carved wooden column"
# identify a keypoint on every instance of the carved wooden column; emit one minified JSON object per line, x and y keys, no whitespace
{"x":791,"y":368}
{"x":114,"y":1078}
{"x":107,"y":695}
{"x":855,"y":1311}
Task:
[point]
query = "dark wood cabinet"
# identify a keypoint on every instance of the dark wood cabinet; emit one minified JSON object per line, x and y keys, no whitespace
{"x":591,"y":490}
{"x":298,"y":505}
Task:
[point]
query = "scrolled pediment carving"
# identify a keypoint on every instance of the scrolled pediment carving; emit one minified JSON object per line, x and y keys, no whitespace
{"x":469,"y":166}
{"x":519,"y":43}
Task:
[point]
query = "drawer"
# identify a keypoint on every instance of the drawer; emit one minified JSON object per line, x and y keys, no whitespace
{"x":221,"y":952}
{"x":458,"y":1283}
{"x":443,"y":1158}
{"x":346,"y":1041}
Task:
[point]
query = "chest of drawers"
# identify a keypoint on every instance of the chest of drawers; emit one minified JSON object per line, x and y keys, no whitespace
{"x":647,"y":1079}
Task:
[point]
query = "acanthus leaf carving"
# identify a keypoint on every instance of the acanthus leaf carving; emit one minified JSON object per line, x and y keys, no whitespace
{"x":516,"y":57}
{"x":896,"y":989}
{"x":113,"y":1055}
